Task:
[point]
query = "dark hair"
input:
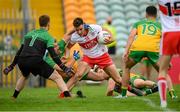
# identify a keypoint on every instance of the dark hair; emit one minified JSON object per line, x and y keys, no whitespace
{"x":151,"y":11}
{"x":77,"y":22}
{"x":44,"y":20}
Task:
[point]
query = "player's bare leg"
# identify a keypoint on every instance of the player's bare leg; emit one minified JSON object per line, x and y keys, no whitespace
{"x":83,"y":68}
{"x":140,"y":83}
{"x":162,"y":83}
{"x":170,"y":87}
{"x":110,"y":87}
{"x":168,"y":81}
{"x":97,"y":76}
{"x":112,"y":72}
{"x":60,"y":83}
{"x":19,"y":86}
{"x":126,"y":75}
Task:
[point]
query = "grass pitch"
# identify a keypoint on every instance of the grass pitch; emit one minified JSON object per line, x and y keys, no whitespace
{"x":36,"y":99}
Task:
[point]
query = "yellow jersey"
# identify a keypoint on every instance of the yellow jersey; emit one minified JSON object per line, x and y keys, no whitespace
{"x":134,"y":75}
{"x":148,"y":36}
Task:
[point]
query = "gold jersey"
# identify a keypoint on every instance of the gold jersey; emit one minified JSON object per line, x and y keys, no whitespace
{"x":148,"y":36}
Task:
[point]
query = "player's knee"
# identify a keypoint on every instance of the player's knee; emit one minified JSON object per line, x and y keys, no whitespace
{"x":139,"y":84}
{"x":54,"y":76}
{"x":78,"y":76}
{"x":105,"y":77}
{"x":23,"y":78}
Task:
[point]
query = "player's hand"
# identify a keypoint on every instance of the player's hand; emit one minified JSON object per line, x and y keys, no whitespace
{"x":8,"y":69}
{"x":64,"y":59}
{"x":76,"y":55}
{"x":67,"y":70}
{"x":108,"y":40}
{"x":125,"y":56}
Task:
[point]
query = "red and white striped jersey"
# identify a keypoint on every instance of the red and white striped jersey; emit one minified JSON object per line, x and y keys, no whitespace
{"x":170,"y":15}
{"x":89,"y":43}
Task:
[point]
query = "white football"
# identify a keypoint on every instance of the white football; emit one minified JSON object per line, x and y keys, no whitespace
{"x":102,"y":36}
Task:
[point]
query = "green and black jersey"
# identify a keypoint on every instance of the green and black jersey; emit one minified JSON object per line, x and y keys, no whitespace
{"x":49,"y":60}
{"x":36,"y":42}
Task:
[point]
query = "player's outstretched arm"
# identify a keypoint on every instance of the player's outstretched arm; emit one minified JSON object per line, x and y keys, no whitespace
{"x":129,"y":43}
{"x":67,"y":36}
{"x":56,"y":59}
{"x":11,"y":66}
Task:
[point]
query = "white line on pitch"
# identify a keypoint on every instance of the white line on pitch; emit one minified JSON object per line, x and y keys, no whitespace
{"x":152,"y":104}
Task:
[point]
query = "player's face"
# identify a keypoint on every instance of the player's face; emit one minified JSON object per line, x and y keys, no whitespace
{"x":81,"y":31}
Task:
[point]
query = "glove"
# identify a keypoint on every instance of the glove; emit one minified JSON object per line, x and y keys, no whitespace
{"x":76,"y":55}
{"x":8,"y":69}
{"x":67,"y":70}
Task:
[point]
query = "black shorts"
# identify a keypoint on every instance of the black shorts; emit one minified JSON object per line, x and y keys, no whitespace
{"x":34,"y":65}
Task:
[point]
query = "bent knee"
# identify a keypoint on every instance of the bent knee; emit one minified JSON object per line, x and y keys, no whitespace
{"x":78,"y":76}
{"x":139,"y":84}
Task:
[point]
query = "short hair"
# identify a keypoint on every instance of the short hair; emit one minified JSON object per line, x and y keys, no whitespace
{"x":151,"y":11}
{"x":44,"y":20}
{"x":77,"y":22}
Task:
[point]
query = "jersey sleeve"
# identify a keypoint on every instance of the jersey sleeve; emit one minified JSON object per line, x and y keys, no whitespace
{"x":62,"y":46}
{"x":96,"y":28}
{"x":22,"y":41}
{"x":73,"y":38}
{"x":50,"y":41}
{"x":49,"y":61}
{"x":135,"y":25}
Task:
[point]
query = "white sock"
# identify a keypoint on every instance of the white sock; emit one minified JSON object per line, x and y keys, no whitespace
{"x":162,"y":85}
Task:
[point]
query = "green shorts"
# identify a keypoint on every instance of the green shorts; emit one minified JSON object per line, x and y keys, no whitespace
{"x":137,"y":56}
{"x":146,"y":62}
{"x":132,"y":79}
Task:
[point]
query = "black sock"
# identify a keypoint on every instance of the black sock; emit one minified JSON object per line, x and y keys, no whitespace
{"x":16,"y":93}
{"x":67,"y":94}
{"x":154,"y":89}
{"x":136,"y":91}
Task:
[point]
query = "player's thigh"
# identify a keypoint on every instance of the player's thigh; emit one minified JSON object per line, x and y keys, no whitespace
{"x":170,"y":43}
{"x":24,"y":70}
{"x":24,"y":66}
{"x":164,"y":62}
{"x":55,"y":75}
{"x":153,"y":59}
{"x":43,"y":69}
{"x":137,"y":55}
{"x":134,"y":57}
{"x":82,"y":68}
{"x":138,"y":83}
{"x":111,"y":70}
{"x":96,"y":76}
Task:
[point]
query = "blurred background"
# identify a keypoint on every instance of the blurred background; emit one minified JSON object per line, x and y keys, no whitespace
{"x":19,"y":16}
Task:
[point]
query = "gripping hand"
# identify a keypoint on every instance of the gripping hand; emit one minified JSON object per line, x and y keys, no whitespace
{"x":76,"y":55}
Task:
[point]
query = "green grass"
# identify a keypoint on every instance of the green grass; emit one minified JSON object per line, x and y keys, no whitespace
{"x":34,"y":99}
